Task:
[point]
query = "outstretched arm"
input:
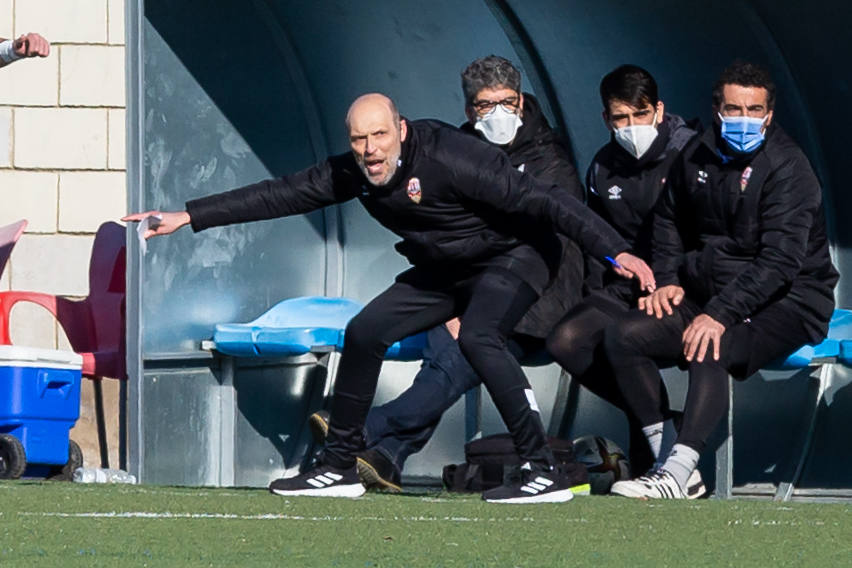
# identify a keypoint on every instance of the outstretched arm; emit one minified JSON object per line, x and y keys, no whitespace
{"x":28,"y":45}
{"x":169,"y":221}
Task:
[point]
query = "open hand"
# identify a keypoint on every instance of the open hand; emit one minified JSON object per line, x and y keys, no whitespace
{"x":702,"y":332}
{"x":661,"y":300}
{"x":170,"y":222}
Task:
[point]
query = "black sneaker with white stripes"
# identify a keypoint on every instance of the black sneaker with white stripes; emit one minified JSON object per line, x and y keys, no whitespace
{"x":551,"y":486}
{"x":322,"y":481}
{"x":658,"y":484}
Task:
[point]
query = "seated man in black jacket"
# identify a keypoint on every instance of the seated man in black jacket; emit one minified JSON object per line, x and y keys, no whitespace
{"x":624,"y":181}
{"x":455,"y":202}
{"x":741,"y":256}
{"x":500,"y":113}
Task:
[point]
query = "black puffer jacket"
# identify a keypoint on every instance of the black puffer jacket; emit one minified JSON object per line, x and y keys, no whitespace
{"x":454,"y":201}
{"x":623,"y":190}
{"x":740,"y":234}
{"x":539,"y":152}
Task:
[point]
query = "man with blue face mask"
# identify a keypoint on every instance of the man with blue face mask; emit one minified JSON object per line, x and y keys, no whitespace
{"x":741,"y":256}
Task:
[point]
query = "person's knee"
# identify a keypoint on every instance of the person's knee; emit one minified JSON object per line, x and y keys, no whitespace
{"x":621,"y":337}
{"x":362,"y":333}
{"x":474,"y":341}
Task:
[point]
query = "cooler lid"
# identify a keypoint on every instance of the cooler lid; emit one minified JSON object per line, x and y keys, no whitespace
{"x":16,"y":355}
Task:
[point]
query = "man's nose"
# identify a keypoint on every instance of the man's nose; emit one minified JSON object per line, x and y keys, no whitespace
{"x":370,"y":147}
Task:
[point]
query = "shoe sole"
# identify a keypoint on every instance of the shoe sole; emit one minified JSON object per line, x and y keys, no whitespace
{"x":560,"y":496}
{"x":371,"y":478}
{"x":350,"y":491}
{"x":319,"y":428}
{"x":582,"y":490}
{"x":627,"y":491}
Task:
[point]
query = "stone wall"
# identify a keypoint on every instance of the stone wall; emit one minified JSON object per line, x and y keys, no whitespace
{"x":62,"y":163}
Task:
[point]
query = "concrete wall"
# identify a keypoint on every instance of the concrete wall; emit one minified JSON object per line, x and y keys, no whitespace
{"x":62,"y":162}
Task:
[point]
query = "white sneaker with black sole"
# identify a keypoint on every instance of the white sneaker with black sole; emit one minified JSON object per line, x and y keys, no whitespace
{"x":322,"y":481}
{"x":658,"y":484}
{"x":695,"y":488}
{"x":533,"y":487}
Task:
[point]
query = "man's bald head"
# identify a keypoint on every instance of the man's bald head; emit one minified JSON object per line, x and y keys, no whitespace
{"x":376,"y":133}
{"x":372,"y":102}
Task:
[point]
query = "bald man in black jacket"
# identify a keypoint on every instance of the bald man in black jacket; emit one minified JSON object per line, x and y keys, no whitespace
{"x":457,"y":204}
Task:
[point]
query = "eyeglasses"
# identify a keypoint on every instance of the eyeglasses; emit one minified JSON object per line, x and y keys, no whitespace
{"x":484,"y":107}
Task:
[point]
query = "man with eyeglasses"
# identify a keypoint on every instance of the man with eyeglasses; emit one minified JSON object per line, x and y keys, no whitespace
{"x":456,"y":203}
{"x":499,"y":113}
{"x":743,"y":267}
{"x":624,"y":181}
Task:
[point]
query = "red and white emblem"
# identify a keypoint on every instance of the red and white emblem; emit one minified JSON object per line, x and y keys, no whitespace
{"x":413,"y":190}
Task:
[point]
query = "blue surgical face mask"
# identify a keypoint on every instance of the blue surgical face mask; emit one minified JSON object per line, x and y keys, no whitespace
{"x":743,"y":134}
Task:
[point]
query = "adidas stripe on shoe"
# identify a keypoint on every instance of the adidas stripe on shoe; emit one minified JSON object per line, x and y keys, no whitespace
{"x":323,"y":481}
{"x":659,"y":484}
{"x":695,"y":488}
{"x":533,"y":487}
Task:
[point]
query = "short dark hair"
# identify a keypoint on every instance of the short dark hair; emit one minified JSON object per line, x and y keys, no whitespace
{"x":631,"y":84}
{"x":489,"y":72}
{"x":745,"y":74}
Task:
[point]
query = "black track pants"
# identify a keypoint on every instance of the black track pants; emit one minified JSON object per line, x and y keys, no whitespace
{"x":489,"y":303}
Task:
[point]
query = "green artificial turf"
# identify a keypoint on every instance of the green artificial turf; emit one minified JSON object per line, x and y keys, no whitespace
{"x":65,"y":524}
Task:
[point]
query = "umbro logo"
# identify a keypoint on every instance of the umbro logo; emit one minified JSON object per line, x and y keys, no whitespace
{"x":537,"y":485}
{"x":614,"y":192}
{"x":324,"y":479}
{"x":702,"y":176}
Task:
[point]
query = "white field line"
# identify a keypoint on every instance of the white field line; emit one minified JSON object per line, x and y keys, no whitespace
{"x":280,"y":516}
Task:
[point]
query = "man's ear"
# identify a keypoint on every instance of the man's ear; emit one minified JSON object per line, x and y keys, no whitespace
{"x":521,"y":105}
{"x":470,"y":113}
{"x":403,"y":130}
{"x":605,"y":117}
{"x":769,"y":116}
{"x":661,"y":111}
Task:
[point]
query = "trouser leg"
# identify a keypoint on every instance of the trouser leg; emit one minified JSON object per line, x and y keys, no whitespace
{"x":401,"y":310}
{"x":633,"y":345}
{"x":498,"y":299}
{"x":404,"y":425}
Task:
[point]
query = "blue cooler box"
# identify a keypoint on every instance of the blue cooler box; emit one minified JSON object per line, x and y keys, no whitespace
{"x":40,"y":400}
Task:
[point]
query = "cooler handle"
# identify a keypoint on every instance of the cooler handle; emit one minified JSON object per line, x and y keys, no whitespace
{"x":55,"y":383}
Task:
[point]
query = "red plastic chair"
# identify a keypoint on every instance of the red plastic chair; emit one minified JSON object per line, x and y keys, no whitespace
{"x":9,"y":235}
{"x":95,"y":325}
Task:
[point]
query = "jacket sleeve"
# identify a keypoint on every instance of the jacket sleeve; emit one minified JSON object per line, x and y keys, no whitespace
{"x":324,"y":184}
{"x":667,"y":241}
{"x":490,"y":179}
{"x":789,"y":203}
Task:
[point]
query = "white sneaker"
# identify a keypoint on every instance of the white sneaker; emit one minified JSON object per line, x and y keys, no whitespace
{"x":657,"y":484}
{"x":695,"y":488}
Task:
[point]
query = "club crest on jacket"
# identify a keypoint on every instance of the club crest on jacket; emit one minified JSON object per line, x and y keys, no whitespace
{"x":413,"y":190}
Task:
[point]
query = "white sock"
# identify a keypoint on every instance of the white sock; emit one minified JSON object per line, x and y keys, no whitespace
{"x":654,"y":434}
{"x":666,"y":442}
{"x":681,"y":462}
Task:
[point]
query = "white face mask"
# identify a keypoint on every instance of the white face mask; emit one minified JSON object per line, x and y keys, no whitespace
{"x":499,"y":126}
{"x":638,"y":138}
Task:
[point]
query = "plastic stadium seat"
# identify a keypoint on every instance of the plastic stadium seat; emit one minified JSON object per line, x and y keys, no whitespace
{"x":822,"y":357}
{"x":9,"y":235}
{"x":296,"y":326}
{"x":95,"y":325}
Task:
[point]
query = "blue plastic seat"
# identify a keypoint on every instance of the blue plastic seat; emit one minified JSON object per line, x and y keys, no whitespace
{"x":835,"y":349}
{"x":839,"y":328}
{"x":291,"y":327}
{"x":303,"y":325}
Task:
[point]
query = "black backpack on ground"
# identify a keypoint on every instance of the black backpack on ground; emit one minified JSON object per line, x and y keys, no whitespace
{"x":491,"y":460}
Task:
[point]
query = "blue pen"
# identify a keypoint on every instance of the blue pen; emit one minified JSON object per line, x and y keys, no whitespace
{"x":613,"y":262}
